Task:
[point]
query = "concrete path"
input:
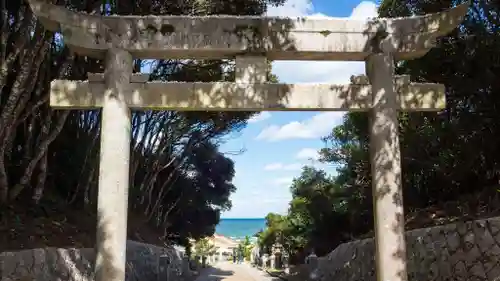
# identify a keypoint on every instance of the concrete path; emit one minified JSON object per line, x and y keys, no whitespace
{"x":225,"y":271}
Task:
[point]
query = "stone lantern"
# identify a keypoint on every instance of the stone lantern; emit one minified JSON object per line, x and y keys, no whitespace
{"x":277,"y":248}
{"x":312,"y":261}
{"x":285,"y":259}
{"x":276,"y":257}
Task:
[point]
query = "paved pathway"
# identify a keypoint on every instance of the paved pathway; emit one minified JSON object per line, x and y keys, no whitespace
{"x":225,"y":271}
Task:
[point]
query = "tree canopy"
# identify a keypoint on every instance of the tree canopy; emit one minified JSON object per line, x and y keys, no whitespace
{"x":204,"y":248}
{"x":180,"y":181}
{"x":450,"y":159}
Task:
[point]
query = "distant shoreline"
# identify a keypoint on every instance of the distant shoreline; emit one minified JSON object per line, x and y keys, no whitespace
{"x":239,"y":228}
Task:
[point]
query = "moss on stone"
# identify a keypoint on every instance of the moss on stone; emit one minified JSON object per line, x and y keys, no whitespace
{"x":325,"y":32}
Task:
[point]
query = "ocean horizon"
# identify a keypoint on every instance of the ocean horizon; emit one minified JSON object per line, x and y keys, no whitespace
{"x":238,"y":228}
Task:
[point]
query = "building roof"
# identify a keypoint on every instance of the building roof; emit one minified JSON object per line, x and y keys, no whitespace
{"x":223,"y":241}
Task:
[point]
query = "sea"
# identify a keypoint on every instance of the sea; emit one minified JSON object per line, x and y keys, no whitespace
{"x":237,"y":229}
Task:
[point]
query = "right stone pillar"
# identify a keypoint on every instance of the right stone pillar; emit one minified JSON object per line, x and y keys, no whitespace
{"x":385,"y":158}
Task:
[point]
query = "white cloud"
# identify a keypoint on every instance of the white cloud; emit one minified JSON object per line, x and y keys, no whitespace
{"x":333,"y":72}
{"x":296,"y":72}
{"x":284,"y":181}
{"x":292,"y":8}
{"x":364,"y":10}
{"x":315,"y":71}
{"x":308,"y":153}
{"x":281,"y":166}
{"x":318,"y":126}
{"x":258,"y":206}
{"x":260,"y":117}
{"x":272,"y":200}
{"x":273,"y":166}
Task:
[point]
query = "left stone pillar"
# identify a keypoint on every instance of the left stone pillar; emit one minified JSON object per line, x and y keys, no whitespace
{"x":112,"y":203}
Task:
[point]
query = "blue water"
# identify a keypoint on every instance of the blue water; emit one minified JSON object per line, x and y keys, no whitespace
{"x":239,"y":228}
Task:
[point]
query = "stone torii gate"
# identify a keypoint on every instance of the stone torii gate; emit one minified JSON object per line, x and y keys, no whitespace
{"x":251,"y":41}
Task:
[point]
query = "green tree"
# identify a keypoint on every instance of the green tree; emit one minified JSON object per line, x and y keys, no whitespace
{"x":275,"y":231}
{"x":449,"y":159}
{"x":203,"y":247}
{"x":180,"y":180}
{"x":246,"y":247}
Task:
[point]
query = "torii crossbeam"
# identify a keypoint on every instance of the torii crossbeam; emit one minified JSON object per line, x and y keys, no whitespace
{"x":251,"y":40}
{"x":229,"y":96}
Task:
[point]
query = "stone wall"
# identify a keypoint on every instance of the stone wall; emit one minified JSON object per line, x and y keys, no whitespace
{"x":456,"y":252}
{"x":56,"y":264}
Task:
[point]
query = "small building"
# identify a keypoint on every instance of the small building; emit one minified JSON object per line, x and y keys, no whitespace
{"x":224,"y":247}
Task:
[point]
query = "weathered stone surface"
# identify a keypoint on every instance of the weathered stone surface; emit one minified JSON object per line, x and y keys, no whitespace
{"x":215,"y":37}
{"x":230,"y":96}
{"x":57,"y":264}
{"x":457,"y":252}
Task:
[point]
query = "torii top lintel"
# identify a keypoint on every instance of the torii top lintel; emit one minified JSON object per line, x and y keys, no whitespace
{"x":217,"y":37}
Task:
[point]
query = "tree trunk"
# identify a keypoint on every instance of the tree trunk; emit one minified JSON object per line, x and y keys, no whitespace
{"x":40,"y":183}
{"x":42,"y":150}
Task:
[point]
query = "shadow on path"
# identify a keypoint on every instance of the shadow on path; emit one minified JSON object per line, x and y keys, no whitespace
{"x":217,"y":272}
{"x":234,"y":272}
{"x":214,"y":274}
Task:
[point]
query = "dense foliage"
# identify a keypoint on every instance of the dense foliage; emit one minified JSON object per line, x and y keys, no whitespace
{"x":450,"y":159}
{"x":204,"y":247}
{"x":245,"y":248}
{"x":180,"y":180}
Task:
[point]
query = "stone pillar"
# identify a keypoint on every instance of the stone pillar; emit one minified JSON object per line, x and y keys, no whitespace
{"x":385,"y":158}
{"x":112,"y":200}
{"x":264,"y":260}
{"x":272,"y":259}
{"x":312,"y":263}
{"x":251,"y":69}
{"x":186,"y":270}
{"x":163,"y":267}
{"x":203,"y":261}
{"x":286,"y":261}
{"x":279,"y":260}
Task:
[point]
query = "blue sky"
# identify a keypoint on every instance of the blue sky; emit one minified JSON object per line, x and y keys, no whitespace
{"x":277,"y":144}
